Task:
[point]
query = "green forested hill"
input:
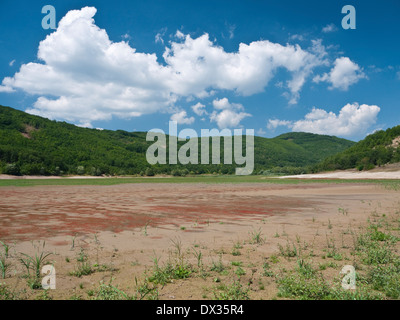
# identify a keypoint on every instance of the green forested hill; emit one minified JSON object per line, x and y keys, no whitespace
{"x":293,"y":153}
{"x":31,"y":145}
{"x":317,"y":146}
{"x":376,"y":149}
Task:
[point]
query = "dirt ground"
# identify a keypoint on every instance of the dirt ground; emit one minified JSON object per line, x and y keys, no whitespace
{"x":125,"y":227}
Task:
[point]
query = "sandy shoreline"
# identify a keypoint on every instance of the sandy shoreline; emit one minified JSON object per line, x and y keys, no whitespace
{"x":348,"y":175}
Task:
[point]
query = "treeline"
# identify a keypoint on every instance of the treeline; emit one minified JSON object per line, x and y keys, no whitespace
{"x":32,"y":145}
{"x":376,"y":149}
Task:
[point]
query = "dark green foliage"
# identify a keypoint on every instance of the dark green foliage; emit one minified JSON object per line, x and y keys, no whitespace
{"x":32,"y":145}
{"x":375,"y":150}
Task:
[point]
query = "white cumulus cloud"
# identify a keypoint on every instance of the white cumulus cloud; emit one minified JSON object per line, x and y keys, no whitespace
{"x":199,"y":109}
{"x":344,"y":74}
{"x":228,"y":118}
{"x":182,"y":118}
{"x":353,"y":119}
{"x":226,"y":114}
{"x":222,"y":104}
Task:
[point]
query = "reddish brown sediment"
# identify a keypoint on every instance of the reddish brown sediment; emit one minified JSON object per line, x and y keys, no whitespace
{"x":43,"y":211}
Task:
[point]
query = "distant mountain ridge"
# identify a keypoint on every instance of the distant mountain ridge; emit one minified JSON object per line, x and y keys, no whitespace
{"x":32,"y":145}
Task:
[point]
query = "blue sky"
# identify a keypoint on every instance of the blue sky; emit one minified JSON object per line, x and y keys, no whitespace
{"x":271,"y":66}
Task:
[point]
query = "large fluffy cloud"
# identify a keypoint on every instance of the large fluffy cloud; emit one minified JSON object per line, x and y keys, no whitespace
{"x":84,"y":76}
{"x":198,"y":64}
{"x":87,"y":77}
{"x":344,"y":73}
{"x":352,"y":120}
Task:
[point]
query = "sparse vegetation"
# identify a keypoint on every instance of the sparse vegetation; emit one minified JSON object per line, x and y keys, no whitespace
{"x":179,"y":269}
{"x":34,"y":263}
{"x":4,"y":263}
{"x":289,"y":251}
{"x":256,"y":237}
{"x":84,"y":266}
{"x":146,"y":290}
{"x":239,"y":271}
{"x":109,"y":292}
{"x":218,"y":266}
{"x":374,"y":252}
{"x":6,"y":293}
{"x":4,"y":266}
{"x":235,"y":291}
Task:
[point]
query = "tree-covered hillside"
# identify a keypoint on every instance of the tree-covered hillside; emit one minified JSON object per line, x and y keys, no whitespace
{"x":376,"y":149}
{"x":31,"y":145}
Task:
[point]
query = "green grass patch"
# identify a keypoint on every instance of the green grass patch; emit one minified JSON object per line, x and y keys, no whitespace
{"x":214,"y":179}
